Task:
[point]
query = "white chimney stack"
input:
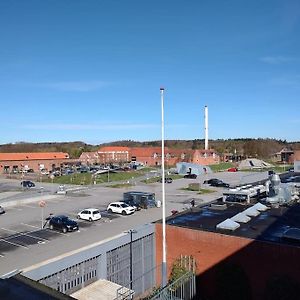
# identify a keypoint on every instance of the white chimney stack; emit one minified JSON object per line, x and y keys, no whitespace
{"x":206,"y":126}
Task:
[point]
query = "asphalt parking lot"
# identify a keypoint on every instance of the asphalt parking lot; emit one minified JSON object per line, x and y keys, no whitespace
{"x":23,"y":242}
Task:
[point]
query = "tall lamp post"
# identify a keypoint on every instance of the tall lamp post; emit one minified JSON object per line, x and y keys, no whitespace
{"x":164,"y":258}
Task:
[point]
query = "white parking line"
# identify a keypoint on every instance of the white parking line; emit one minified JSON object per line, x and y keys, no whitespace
{"x":6,"y":229}
{"x":30,"y":225}
{"x":18,"y":245}
{"x":55,"y":231}
{"x":24,"y":234}
{"x":29,"y":206}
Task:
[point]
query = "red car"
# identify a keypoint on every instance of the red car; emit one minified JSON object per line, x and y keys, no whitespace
{"x":232,"y":170}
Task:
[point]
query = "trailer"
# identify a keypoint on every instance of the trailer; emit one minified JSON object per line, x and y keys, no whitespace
{"x":140,"y":199}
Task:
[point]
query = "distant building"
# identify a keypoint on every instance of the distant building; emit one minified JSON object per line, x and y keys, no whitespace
{"x":15,"y":162}
{"x":113,"y":154}
{"x":205,"y":157}
{"x":285,"y":155}
{"x":149,"y":156}
{"x":89,"y":158}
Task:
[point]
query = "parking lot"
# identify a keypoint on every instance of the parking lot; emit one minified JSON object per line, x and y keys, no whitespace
{"x":23,"y":242}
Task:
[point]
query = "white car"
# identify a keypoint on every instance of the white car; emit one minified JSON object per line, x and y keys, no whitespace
{"x":120,"y":208}
{"x":89,"y":214}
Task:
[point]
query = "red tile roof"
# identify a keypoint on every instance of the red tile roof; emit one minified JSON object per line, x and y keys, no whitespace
{"x":146,"y":151}
{"x":33,"y":156}
{"x":113,"y":148}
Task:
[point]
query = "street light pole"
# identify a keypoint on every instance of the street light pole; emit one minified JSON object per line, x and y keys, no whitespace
{"x":164,"y":258}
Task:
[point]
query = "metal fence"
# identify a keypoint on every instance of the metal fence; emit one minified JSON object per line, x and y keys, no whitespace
{"x":184,"y":288}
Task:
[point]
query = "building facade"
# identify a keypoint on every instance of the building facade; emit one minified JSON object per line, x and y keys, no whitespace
{"x":16,"y":162}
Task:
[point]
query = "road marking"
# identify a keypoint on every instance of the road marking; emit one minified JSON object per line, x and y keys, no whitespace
{"x":64,"y":234}
{"x":18,"y":245}
{"x":10,"y":230}
{"x":1,"y":255}
{"x":34,"y":237}
{"x":30,"y":225}
{"x":29,"y":206}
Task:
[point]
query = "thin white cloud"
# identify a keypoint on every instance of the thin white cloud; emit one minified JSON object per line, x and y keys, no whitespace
{"x":276,"y":60}
{"x":74,"y":86}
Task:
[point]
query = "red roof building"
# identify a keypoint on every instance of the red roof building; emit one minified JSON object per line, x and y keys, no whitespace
{"x":15,"y":162}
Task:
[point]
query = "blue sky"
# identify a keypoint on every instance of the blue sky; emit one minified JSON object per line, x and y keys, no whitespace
{"x":91,"y":70}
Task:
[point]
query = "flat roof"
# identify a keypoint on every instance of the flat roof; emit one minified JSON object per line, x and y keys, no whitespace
{"x":270,"y":225}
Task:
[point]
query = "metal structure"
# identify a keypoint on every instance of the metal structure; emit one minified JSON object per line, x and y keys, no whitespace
{"x":127,"y":260}
{"x":184,"y":288}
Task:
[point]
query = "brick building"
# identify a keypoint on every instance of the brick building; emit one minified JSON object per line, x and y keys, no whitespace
{"x":113,"y":154}
{"x":89,"y":158}
{"x":15,"y":162}
{"x":149,"y":156}
{"x":259,"y":260}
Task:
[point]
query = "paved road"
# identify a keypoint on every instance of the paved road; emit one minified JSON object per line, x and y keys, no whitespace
{"x":23,"y":242}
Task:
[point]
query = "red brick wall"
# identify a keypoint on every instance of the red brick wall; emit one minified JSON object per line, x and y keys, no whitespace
{"x":260,"y":261}
{"x":33,"y":164}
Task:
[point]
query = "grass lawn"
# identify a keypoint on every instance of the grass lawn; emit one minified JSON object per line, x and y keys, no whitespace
{"x":221,"y":167}
{"x":194,"y":187}
{"x":156,"y":178}
{"x":87,"y":178}
{"x":120,"y":185}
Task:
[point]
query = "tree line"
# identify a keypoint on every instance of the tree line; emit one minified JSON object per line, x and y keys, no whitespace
{"x":262,"y":148}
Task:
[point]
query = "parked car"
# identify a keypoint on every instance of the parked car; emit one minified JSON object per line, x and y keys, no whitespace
{"x":167,"y":180}
{"x":190,"y":176}
{"x":27,"y":184}
{"x":219,"y":183}
{"x":44,"y":172}
{"x":120,"y":208}
{"x":210,"y":181}
{"x":2,"y":211}
{"x":89,"y":214}
{"x":63,"y":223}
{"x":232,"y":169}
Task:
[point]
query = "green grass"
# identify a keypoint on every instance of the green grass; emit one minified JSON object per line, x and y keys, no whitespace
{"x":276,"y":168}
{"x":120,"y":185}
{"x":156,"y":178}
{"x":221,"y":167}
{"x":200,"y":191}
{"x":194,"y":187}
{"x":87,"y":178}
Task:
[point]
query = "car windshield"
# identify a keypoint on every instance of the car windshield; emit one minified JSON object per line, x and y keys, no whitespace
{"x":124,"y":205}
{"x":96,"y":212}
{"x":65,"y":219}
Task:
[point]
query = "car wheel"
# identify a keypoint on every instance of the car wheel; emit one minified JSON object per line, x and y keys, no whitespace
{"x":64,"y":230}
{"x":123,"y":212}
{"x":51,"y":227}
{"x":109,"y":210}
{"x":90,"y":219}
{"x":78,"y":217}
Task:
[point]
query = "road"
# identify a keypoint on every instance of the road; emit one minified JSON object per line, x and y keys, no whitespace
{"x":23,"y":242}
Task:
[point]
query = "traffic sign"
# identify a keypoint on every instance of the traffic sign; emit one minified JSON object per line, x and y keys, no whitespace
{"x":42,"y":203}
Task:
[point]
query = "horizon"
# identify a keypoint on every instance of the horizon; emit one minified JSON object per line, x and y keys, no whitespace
{"x":149,"y":141}
{"x":92,"y":71}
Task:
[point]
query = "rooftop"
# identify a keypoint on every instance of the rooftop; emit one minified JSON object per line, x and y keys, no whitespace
{"x":272,"y":225}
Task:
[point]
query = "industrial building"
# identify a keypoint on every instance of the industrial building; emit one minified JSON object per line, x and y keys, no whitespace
{"x":242,"y":250}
